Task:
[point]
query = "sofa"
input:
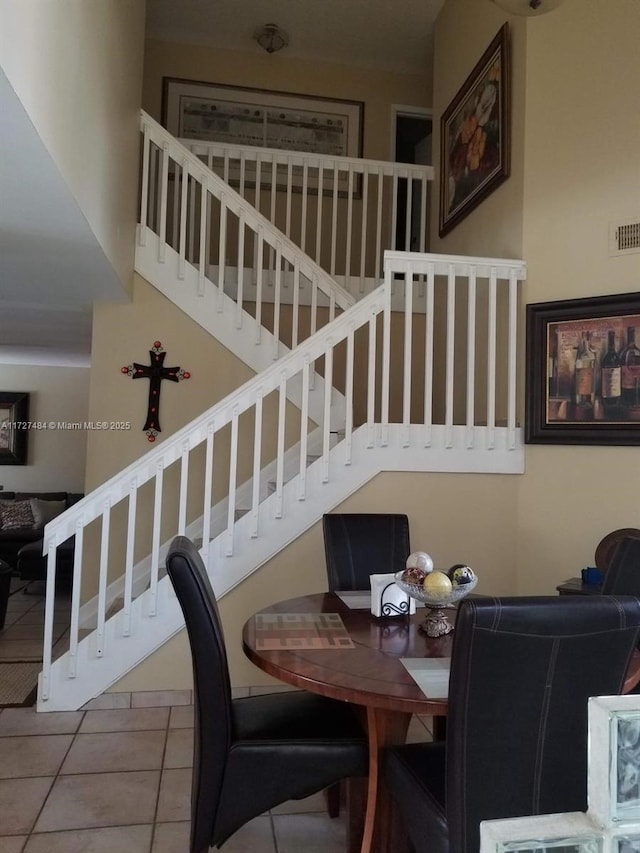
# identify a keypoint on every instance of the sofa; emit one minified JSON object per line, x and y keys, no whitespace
{"x":23,"y":516}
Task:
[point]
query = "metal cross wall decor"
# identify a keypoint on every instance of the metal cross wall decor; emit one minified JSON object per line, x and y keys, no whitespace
{"x":155,"y":372}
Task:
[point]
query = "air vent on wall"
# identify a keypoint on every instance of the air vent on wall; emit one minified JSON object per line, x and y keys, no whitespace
{"x":624,"y":238}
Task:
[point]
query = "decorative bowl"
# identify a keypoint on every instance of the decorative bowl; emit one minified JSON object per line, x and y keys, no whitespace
{"x":436,"y":622}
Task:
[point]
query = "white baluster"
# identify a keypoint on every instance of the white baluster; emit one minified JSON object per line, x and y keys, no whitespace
{"x":144,"y":187}
{"x":184,"y":489}
{"x":326,"y":420}
{"x":47,"y":649}
{"x":423,"y":215}
{"x":295,"y":320}
{"x":276,"y":302}
{"x":182,"y":239}
{"x":408,"y":329}
{"x":282,"y":403}
{"x":233,"y":475}
{"x":222,"y":253}
{"x":319,"y":214}
{"x":225,"y":168}
{"x":407,"y":218}
{"x":287,"y":227}
{"x":512,"y":359}
{"x":348,"y":394}
{"x":394,"y":211}
{"x":371,"y":380}
{"x":491,"y":359}
{"x":257,"y":456}
{"x":450,"y":350}
{"x":334,"y":219}
{"x":428,"y":356}
{"x":102,"y":578}
{"x":304,"y":426}
{"x":471,"y":357}
{"x":204,"y":242}
{"x":240,"y":289}
{"x":386,"y":356}
{"x":363,"y":234}
{"x":242,"y":172}
{"x":155,"y":540}
{"x":259,"y":279}
{"x":128,"y":560}
{"x":162,"y":242}
{"x":208,"y":490}
{"x":378,"y":261}
{"x":76,"y":585}
{"x":303,"y":217}
{"x":347,"y":264}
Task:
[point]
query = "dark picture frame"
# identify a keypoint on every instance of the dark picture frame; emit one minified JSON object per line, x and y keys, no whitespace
{"x":14,"y":427}
{"x":475,"y":135}
{"x":576,"y":391}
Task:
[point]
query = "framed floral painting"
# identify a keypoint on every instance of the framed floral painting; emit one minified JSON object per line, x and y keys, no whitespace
{"x":475,"y":136}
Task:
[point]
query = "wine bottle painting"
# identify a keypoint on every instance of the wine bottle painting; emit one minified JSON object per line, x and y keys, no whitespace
{"x":593,"y":372}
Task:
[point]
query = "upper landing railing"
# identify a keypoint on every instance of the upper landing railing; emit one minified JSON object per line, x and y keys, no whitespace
{"x":344,"y":212}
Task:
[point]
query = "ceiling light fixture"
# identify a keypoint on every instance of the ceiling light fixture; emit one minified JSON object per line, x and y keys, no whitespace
{"x":271,"y":38}
{"x":528,"y":8}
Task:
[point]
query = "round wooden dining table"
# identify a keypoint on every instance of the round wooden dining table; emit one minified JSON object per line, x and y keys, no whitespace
{"x":368,"y":673}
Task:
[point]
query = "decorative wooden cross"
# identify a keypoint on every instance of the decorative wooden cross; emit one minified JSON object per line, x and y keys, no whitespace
{"x":155,"y":373}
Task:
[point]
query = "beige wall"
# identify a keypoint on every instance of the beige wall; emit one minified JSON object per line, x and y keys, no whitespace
{"x":93,"y":51}
{"x":574,"y":169}
{"x":377,"y":89}
{"x":55,"y":457}
{"x":582,"y":171}
{"x":123,"y":334}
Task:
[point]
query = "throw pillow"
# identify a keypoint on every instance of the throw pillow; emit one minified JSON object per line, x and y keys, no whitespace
{"x":45,"y":511}
{"x":16,"y":514}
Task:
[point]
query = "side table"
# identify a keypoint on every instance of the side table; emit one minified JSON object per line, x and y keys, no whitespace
{"x":575,"y":586}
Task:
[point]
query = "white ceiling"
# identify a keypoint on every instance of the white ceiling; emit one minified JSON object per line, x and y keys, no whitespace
{"x":389,"y":34}
{"x":51,"y":266}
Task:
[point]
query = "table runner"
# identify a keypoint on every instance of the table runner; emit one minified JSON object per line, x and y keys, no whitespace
{"x":280,"y":631}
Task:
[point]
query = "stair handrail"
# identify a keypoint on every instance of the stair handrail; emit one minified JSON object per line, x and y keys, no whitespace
{"x":154,"y":132}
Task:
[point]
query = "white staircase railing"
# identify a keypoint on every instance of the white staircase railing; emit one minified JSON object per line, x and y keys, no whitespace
{"x":207,"y":224}
{"x":415,"y":400}
{"x":343,"y":211}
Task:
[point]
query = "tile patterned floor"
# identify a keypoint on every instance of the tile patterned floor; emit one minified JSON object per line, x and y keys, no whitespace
{"x":115,"y":780}
{"x":109,"y":779}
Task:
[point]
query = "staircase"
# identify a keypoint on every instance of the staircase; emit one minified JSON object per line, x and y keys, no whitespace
{"x":343,"y":390}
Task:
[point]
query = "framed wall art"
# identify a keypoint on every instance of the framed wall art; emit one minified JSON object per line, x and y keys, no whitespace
{"x":14,"y":427}
{"x":215,"y":112}
{"x":583,"y":371}
{"x":475,"y":135}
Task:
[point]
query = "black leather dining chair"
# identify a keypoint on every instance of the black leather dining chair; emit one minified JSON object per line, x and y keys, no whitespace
{"x":622,"y":576}
{"x":253,"y":753}
{"x":357,"y":545}
{"x":522,"y":670}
